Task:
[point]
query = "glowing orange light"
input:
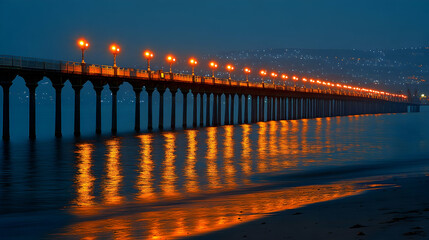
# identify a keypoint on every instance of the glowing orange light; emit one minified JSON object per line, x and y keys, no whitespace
{"x":284,"y":76}
{"x":114,"y":49}
{"x":213,"y":65}
{"x":304,"y":79}
{"x":229,"y":67}
{"x":263,"y":72}
{"x":171,"y":59}
{"x":83,"y":44}
{"x":148,"y":54}
{"x":273,"y":75}
{"x":193,"y":61}
{"x":246,"y":70}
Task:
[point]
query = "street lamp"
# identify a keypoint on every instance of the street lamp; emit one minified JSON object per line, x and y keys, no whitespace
{"x":115,"y":50}
{"x":148,"y":55}
{"x":229,"y":68}
{"x":295,"y":79}
{"x":284,"y":77}
{"x":83,"y":44}
{"x":274,"y":76}
{"x":213,"y":66}
{"x":193,"y":62}
{"x":263,"y":73}
{"x":247,"y":72}
{"x":171,"y":59}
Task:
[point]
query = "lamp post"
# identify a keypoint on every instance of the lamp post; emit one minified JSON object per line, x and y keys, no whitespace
{"x":115,"y":50}
{"x":229,"y":69}
{"x":193,"y":62}
{"x":213,"y":66}
{"x":295,"y":79}
{"x":247,"y":72}
{"x":83,"y":44}
{"x":274,"y":76}
{"x":263,"y":73}
{"x":171,"y":59}
{"x":284,"y":77}
{"x":148,"y":55}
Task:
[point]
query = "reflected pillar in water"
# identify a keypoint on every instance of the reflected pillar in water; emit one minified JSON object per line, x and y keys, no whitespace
{"x":207,"y":108}
{"x":5,"y":82}
{"x":201,"y":109}
{"x":161,"y":91}
{"x":191,"y":159}
{"x":231,"y":119}
{"x":58,"y":84}
{"x":173,"y":107}
{"x":145,"y":177}
{"x":149,"y":90}
{"x":98,"y":89}
{"x":168,"y":183}
{"x":212,"y":168}
{"x":185,"y":107}
{"x":194,"y":110}
{"x":84,"y":179}
{"x":113,"y":179}
{"x":31,"y":81}
{"x":215,"y":109}
{"x":114,"y":89}
{"x":137,"y":91}
{"x":240,"y":109}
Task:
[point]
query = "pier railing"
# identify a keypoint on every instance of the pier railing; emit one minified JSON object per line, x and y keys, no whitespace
{"x":109,"y":71}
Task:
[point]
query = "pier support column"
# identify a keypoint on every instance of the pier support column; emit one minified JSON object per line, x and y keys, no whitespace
{"x":31,"y":81}
{"x":194,"y":110}
{"x":137,"y":91}
{"x":231,"y":116}
{"x":6,"y":82}
{"x":161,"y":107}
{"x":58,"y":89}
{"x":201,"y":109}
{"x":98,"y":90}
{"x":261,"y":108}
{"x":173,"y":108}
{"x":278,"y":117}
{"x":149,"y":91}
{"x":207,"y":109}
{"x":246,"y":109}
{"x":268,"y":109}
{"x":219,"y":109}
{"x":215,"y":109}
{"x":185,"y":108}
{"x":77,"y":89}
{"x":240,"y":109}
{"x":226,"y":117}
{"x":114,"y":90}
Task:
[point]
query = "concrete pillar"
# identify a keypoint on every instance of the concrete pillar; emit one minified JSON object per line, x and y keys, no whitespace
{"x":246,"y":108}
{"x":77,"y":89}
{"x":262,"y":108}
{"x":207,"y":109}
{"x":58,"y":89}
{"x":201,"y":109}
{"x":114,"y":90}
{"x":278,"y":117}
{"x":240,"y":109}
{"x":231,"y":116}
{"x":194,"y":110}
{"x":149,"y":91}
{"x":98,"y":90}
{"x":268,"y":108}
{"x":173,"y":108}
{"x":161,"y":108}
{"x":215,"y":109}
{"x":137,"y":91}
{"x":185,"y":108}
{"x":219,"y":109}
{"x":6,"y":118}
{"x":226,"y":117}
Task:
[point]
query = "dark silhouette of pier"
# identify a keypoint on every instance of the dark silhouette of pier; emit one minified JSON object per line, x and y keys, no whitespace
{"x":256,"y":101}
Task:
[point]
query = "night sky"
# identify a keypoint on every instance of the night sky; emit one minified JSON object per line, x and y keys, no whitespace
{"x":49,"y":29}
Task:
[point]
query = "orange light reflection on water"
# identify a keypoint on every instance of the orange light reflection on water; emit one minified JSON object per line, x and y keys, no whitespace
{"x":145,"y":178}
{"x":113,"y":179}
{"x":203,"y":216}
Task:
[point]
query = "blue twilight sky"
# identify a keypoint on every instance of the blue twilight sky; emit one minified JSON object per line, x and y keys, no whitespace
{"x":49,"y":28}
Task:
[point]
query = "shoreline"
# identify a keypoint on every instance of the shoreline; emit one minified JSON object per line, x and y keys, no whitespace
{"x":400,"y":212}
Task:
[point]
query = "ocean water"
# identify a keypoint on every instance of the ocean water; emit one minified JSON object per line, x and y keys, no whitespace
{"x":174,"y":184}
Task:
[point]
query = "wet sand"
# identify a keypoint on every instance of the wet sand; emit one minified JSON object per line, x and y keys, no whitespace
{"x":397,"y":212}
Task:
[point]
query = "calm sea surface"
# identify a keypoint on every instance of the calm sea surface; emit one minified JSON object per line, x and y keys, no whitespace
{"x":166,"y":185}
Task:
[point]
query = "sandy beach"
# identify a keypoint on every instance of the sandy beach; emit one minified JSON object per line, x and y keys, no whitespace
{"x":397,"y":212}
